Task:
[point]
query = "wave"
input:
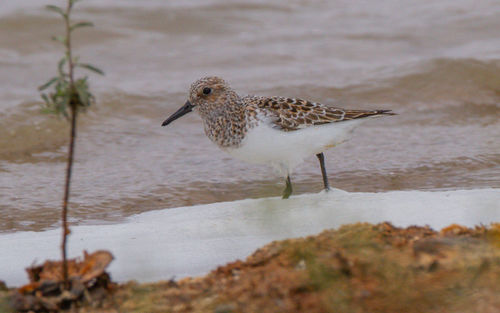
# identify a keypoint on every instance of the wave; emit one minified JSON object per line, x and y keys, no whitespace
{"x":434,"y":83}
{"x":25,"y":131}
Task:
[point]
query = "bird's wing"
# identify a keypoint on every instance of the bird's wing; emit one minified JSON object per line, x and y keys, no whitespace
{"x":291,"y":114}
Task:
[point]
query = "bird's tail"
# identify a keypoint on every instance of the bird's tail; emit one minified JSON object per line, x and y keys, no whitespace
{"x":354,"y":114}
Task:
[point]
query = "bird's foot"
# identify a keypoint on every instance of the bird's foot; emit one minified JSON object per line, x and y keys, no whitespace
{"x":288,"y":189}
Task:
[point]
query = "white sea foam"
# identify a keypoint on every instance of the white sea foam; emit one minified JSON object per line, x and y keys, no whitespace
{"x":193,"y":240}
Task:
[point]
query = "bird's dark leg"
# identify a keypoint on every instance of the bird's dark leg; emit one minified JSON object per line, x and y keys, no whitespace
{"x":321,"y":159}
{"x":288,"y":189}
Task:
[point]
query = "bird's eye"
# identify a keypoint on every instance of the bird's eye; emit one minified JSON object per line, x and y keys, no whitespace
{"x":207,"y":91}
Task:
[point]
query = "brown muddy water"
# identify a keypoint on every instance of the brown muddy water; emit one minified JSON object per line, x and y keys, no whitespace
{"x":436,"y":63}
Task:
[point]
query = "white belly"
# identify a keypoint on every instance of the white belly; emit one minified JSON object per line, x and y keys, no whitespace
{"x":285,"y":150}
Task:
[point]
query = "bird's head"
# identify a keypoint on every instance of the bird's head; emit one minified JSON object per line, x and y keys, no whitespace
{"x":205,"y":95}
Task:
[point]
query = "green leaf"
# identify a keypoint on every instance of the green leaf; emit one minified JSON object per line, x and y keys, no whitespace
{"x":56,"y":9}
{"x":45,"y":99}
{"x":61,"y":39}
{"x":90,"y":68}
{"x":62,"y":110}
{"x":79,"y":25}
{"x":61,"y":106}
{"x":46,"y":110}
{"x":60,"y":66}
{"x":82,"y":89}
{"x":47,"y":84}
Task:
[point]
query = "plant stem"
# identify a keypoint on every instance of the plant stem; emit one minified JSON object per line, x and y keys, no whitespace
{"x":66,"y":197}
{"x":74,"y":111}
{"x":68,"y":46}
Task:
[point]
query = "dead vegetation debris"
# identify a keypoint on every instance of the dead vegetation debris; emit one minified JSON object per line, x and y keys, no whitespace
{"x":45,"y":293}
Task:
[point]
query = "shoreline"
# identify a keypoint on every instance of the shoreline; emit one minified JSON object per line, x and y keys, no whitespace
{"x":191,"y":241}
{"x":357,"y":268}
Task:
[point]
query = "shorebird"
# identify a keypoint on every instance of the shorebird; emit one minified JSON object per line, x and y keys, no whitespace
{"x":276,"y":131}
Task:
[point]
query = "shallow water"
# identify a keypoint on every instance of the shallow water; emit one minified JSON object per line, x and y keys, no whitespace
{"x":436,"y":63}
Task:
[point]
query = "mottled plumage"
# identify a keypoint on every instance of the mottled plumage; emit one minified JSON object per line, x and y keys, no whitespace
{"x":293,"y":114}
{"x":271,"y":130}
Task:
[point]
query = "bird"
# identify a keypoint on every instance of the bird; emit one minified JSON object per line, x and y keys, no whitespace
{"x":276,"y":131}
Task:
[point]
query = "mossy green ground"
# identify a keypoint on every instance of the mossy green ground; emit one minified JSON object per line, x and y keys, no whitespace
{"x":357,"y":268}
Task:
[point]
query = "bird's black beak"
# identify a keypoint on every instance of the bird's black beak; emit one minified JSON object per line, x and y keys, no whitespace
{"x":186,"y":108}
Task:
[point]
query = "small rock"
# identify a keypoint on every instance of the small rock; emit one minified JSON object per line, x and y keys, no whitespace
{"x":301,"y":265}
{"x":172,"y":283}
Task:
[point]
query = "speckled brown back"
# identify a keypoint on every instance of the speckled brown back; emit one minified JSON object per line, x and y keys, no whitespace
{"x":293,"y":114}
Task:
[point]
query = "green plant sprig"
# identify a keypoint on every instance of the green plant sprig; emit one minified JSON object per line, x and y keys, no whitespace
{"x":68,"y":92}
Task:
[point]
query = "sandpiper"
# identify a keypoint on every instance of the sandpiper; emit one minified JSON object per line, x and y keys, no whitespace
{"x":277,"y":131}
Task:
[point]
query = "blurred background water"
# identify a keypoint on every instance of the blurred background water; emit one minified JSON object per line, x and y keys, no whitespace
{"x":436,"y":63}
